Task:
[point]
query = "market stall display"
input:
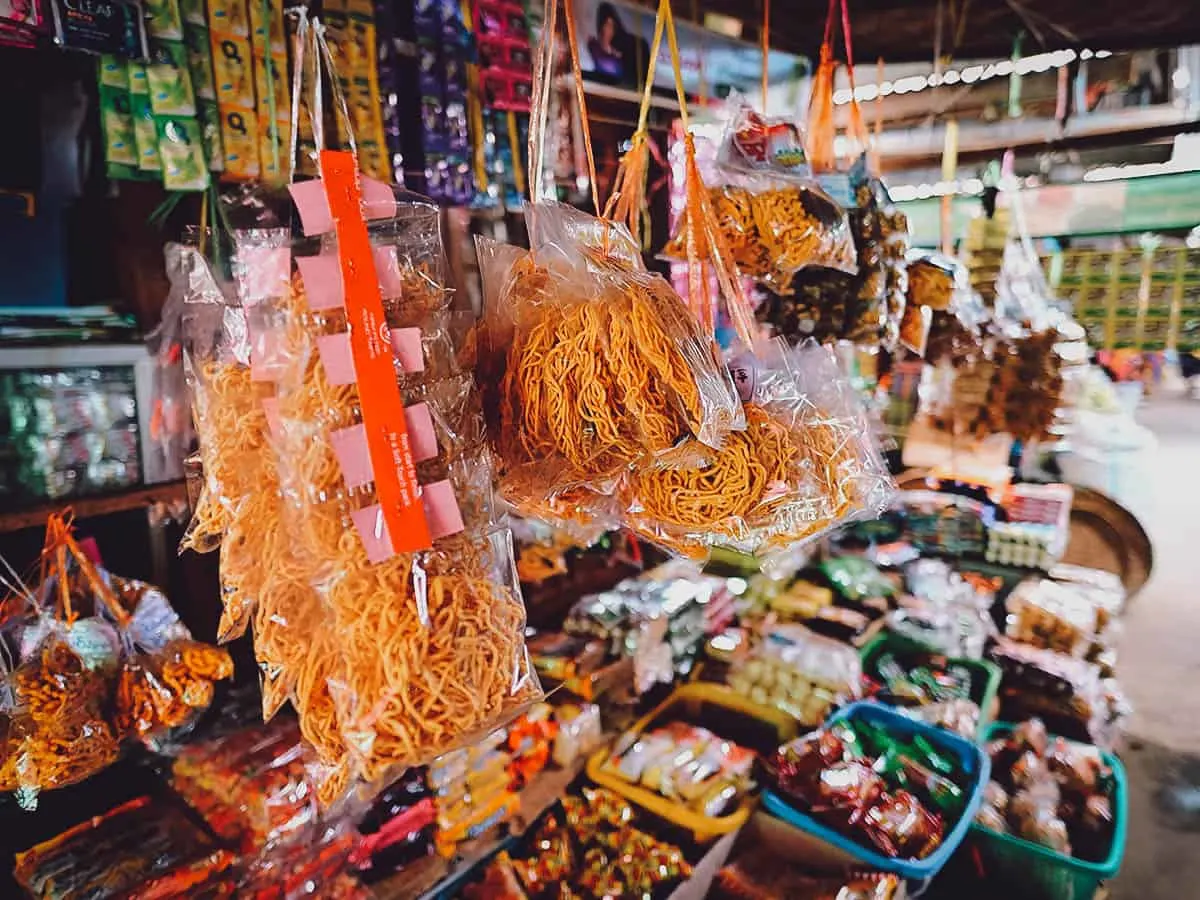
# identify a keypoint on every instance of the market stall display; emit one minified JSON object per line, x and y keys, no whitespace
{"x":366,"y":428}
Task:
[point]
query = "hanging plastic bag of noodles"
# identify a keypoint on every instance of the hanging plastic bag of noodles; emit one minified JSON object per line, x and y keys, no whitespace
{"x":602,"y":363}
{"x":770,"y":485}
{"x":232,"y":371}
{"x":231,"y":424}
{"x":806,"y":463}
{"x":417,"y":642}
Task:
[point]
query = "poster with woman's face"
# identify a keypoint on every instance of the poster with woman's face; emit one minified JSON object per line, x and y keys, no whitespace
{"x":613,"y":48}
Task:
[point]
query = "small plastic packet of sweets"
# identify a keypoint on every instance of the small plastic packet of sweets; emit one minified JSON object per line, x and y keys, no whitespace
{"x":772,"y":215}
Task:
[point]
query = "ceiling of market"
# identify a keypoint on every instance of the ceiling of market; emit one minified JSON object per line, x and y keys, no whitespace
{"x":906,"y":30}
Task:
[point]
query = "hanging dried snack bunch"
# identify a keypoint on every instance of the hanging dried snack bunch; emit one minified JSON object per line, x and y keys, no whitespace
{"x":69,"y":702}
{"x":388,"y":611}
{"x":237,"y":509}
{"x":804,"y":464}
{"x":881,"y":235}
{"x":600,"y":363}
{"x":934,"y":280}
{"x":416,"y":642}
{"x":773,"y":217}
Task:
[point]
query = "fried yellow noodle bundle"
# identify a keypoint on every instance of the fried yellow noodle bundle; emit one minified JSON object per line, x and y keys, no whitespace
{"x":602,"y":371}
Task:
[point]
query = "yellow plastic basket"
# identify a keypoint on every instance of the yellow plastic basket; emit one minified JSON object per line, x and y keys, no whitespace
{"x":716,"y":707}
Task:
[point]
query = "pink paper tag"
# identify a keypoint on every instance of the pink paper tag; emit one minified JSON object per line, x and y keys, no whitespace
{"x":313,"y":206}
{"x":372,"y":531}
{"x":262,"y":273}
{"x":421,"y":435}
{"x":270,"y":407}
{"x":350,"y":448}
{"x":336,"y":357}
{"x":406,"y":345}
{"x":387,"y":265}
{"x":441,"y":509}
{"x":322,"y":277}
{"x":378,"y":199}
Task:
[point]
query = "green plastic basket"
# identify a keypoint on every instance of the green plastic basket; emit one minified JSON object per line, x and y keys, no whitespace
{"x":985,"y":676}
{"x":1038,"y":873}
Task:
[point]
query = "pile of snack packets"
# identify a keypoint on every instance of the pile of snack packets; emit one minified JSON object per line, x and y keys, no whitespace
{"x":590,"y":848}
{"x":928,"y":686}
{"x":894,"y":795}
{"x":686,"y":764}
{"x":99,"y":660}
{"x":1053,"y":792}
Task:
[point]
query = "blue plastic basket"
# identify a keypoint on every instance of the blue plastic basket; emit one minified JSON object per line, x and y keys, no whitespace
{"x":1042,"y":873}
{"x":971,"y":760}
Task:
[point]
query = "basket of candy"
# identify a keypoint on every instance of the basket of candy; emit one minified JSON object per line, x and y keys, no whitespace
{"x":949,"y":691}
{"x":1054,"y":818}
{"x":875,"y":788}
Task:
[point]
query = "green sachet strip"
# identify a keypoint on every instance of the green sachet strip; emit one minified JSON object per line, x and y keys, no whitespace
{"x":903,"y":772}
{"x":877,"y":742}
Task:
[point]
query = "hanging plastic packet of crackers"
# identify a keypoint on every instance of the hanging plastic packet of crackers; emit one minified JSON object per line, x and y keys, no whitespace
{"x":598,"y":362}
{"x":416,"y":642}
{"x":773,"y":216}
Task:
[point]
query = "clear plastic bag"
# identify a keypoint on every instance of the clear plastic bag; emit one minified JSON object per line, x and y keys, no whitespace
{"x":935,"y":281}
{"x":60,"y":733}
{"x":605,"y":365}
{"x":388,"y":612}
{"x":799,"y":672}
{"x":172,"y":434}
{"x":772,"y":217}
{"x":804,"y":464}
{"x":166,"y":689}
{"x":416,"y":641}
{"x":231,"y":403}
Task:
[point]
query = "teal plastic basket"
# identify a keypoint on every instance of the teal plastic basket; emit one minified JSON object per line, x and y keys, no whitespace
{"x":1034,"y":872}
{"x":985,"y":676}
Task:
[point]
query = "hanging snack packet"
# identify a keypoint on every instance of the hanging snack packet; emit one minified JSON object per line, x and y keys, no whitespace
{"x":934,"y":280}
{"x":606,"y":366}
{"x":238,"y":504}
{"x":599,"y":362}
{"x":773,"y":217}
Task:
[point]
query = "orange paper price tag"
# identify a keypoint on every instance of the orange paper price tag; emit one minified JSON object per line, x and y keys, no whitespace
{"x":370,"y":346}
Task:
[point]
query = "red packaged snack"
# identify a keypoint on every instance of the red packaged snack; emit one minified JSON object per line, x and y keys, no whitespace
{"x":142,"y":849}
{"x":900,"y":825}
